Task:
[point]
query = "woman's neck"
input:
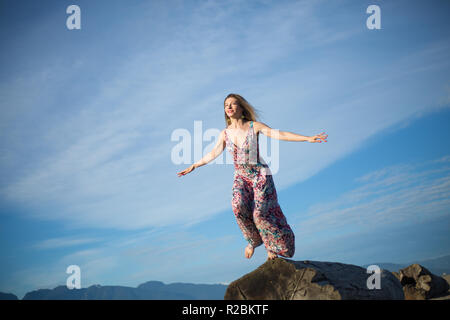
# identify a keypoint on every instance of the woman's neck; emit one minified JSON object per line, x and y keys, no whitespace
{"x":238,"y":123}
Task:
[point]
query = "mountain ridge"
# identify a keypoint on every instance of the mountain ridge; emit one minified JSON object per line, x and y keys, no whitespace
{"x":438,"y":266}
{"x":150,"y":290}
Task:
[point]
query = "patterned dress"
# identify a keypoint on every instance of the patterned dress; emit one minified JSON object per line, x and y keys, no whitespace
{"x":254,"y":202}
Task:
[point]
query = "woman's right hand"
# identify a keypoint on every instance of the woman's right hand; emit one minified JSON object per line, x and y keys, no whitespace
{"x":186,"y":171}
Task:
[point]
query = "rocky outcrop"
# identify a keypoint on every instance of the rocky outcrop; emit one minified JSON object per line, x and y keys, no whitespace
{"x":420,"y":284}
{"x":284,"y":279}
{"x":446,"y":295}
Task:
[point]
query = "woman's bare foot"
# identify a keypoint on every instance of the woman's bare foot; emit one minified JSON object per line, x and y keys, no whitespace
{"x":271,"y":255}
{"x":249,"y":251}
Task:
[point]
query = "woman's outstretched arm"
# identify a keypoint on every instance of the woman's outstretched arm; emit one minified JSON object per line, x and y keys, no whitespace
{"x":215,"y":152}
{"x":286,"y":135}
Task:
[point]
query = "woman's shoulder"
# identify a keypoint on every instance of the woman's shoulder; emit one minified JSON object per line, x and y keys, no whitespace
{"x":260,"y":125}
{"x":257,"y":126}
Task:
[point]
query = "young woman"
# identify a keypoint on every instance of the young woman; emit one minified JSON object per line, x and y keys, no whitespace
{"x":254,"y":202}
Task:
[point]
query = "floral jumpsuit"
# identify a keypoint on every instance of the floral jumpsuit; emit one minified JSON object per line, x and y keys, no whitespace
{"x":254,"y":202}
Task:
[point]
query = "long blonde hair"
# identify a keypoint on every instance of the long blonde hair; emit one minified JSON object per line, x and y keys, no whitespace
{"x":249,"y":112}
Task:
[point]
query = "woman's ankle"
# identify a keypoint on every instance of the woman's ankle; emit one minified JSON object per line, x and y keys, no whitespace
{"x":271,"y":255}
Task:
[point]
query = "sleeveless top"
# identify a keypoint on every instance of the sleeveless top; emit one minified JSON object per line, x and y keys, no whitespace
{"x":246,"y":158}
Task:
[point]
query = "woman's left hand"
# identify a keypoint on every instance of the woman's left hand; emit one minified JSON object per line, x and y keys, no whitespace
{"x":318,"y":138}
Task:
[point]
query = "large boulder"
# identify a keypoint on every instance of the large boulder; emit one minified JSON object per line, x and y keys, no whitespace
{"x":420,"y":284}
{"x":446,"y":295}
{"x":284,"y":279}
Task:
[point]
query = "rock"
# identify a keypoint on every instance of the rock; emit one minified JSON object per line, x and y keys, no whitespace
{"x":445,"y":296}
{"x":420,"y":284}
{"x":396,"y":274}
{"x":284,"y":279}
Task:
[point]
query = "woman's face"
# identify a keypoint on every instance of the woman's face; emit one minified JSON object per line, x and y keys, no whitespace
{"x":232,"y":108}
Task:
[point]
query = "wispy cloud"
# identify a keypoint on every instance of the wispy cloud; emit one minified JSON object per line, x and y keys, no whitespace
{"x":406,"y":193}
{"x":93,"y":264}
{"x":132,"y":259}
{"x":109,"y":160}
{"x":106,"y":162}
{"x":64,"y":242}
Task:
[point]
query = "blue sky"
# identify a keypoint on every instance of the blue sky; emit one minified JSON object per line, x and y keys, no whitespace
{"x":87,"y":117}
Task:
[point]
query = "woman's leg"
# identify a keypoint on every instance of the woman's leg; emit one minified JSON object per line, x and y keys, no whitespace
{"x":242,"y":205}
{"x":271,"y":255}
{"x":272,"y":225}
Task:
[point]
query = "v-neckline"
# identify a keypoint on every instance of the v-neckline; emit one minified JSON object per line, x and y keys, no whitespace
{"x":246,"y":138}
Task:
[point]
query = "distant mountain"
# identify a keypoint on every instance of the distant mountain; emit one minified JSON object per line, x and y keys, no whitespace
{"x":8,"y":296}
{"x":151,"y":290}
{"x":438,"y":266}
